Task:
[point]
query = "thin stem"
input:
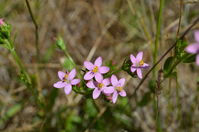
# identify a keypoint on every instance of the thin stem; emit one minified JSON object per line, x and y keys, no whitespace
{"x":18,"y":61}
{"x":158,"y":33}
{"x":162,"y":57}
{"x":36,"y":29}
{"x":180,"y":17}
{"x":157,"y":113}
{"x":69,"y":57}
{"x":39,"y":86}
{"x":155,"y":53}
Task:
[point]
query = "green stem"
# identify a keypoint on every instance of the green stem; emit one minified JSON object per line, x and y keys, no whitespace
{"x":19,"y":62}
{"x":68,"y":56}
{"x":157,"y":117}
{"x":155,"y":53}
{"x":158,"y":34}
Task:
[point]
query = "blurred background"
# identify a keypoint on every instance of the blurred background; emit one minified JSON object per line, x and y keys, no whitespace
{"x":113,"y":29}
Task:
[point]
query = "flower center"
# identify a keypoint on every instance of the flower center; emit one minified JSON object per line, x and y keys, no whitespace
{"x":95,"y":69}
{"x":65,"y":78}
{"x":119,"y":89}
{"x":100,"y":85}
{"x":141,"y":63}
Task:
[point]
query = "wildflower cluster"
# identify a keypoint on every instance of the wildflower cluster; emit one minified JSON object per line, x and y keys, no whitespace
{"x":94,"y":78}
{"x":100,"y":79}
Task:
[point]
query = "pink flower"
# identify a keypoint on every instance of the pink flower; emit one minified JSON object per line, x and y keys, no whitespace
{"x":194,"y":47}
{"x":118,"y":86}
{"x":99,"y":86}
{"x":1,"y":21}
{"x":95,"y":70}
{"x":138,"y":64}
{"x":67,"y":80}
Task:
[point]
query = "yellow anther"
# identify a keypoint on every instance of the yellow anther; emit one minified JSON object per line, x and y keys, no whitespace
{"x":100,"y":85}
{"x":95,"y":69}
{"x":141,"y":63}
{"x":65,"y":77}
{"x":119,"y":89}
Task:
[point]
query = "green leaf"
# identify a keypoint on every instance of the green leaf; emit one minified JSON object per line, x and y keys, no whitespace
{"x":189,"y":58}
{"x":168,"y":65}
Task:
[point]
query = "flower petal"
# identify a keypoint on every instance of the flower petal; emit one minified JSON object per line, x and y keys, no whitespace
{"x":67,"y":89}
{"x":90,"y":84}
{"x":88,"y":65}
{"x":72,"y":74}
{"x":75,"y":81}
{"x":192,"y":48}
{"x":108,"y":90}
{"x":133,"y":59}
{"x":197,"y":59}
{"x":59,"y":84}
{"x":96,"y":93}
{"x":104,"y":69}
{"x":89,"y":75}
{"x":98,"y":77}
{"x":106,"y":81}
{"x":114,"y":80}
{"x":115,"y":95}
{"x":196,"y":35}
{"x":139,"y":73}
{"x":145,"y":65}
{"x":98,"y":62}
{"x":139,"y":56}
{"x":61,"y":75}
{"x":122,"y":93}
{"x":122,"y":81}
{"x":133,"y":69}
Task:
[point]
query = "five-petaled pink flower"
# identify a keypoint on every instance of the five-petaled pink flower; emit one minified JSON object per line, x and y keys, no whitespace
{"x":138,"y":64}
{"x":194,"y":47}
{"x":67,"y":80}
{"x":1,"y":21}
{"x":99,"y":86}
{"x":118,"y":87}
{"x":95,"y":70}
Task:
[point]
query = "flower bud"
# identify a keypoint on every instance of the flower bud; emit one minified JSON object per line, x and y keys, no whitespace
{"x":60,"y":43}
